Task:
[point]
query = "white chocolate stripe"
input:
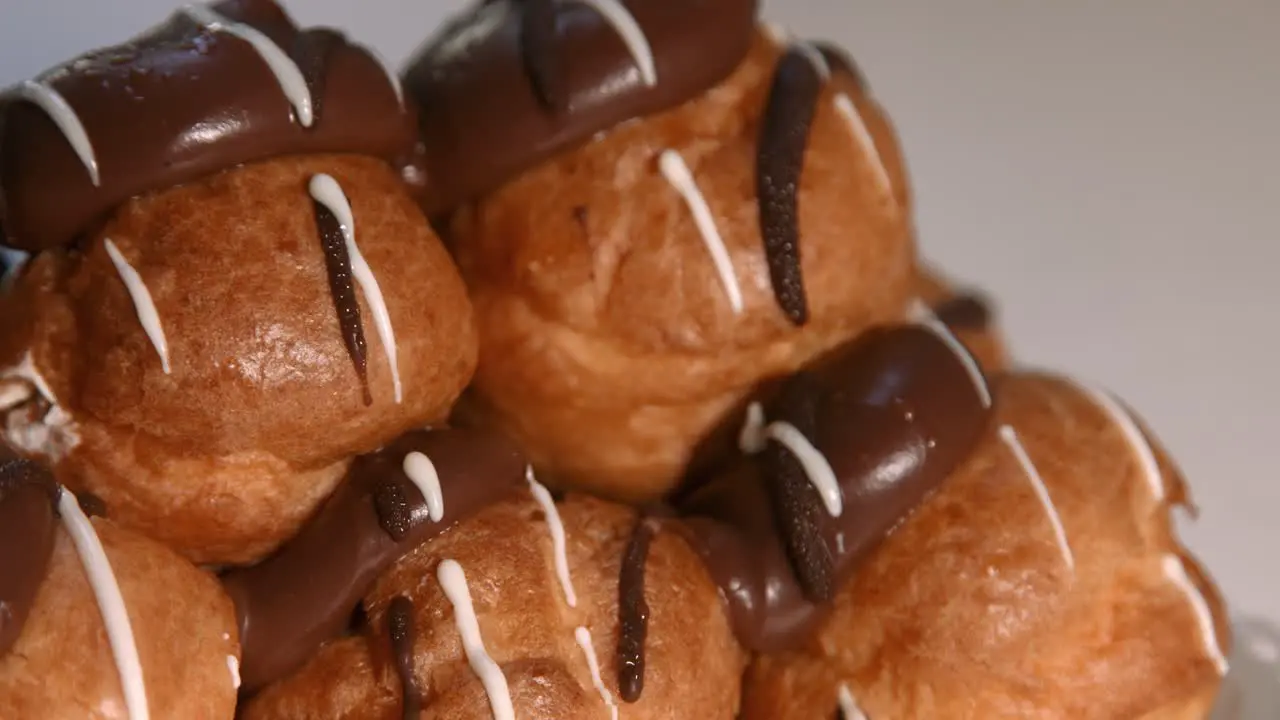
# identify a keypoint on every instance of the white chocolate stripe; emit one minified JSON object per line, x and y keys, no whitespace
{"x":115,"y":617}
{"x":631,"y":34}
{"x":422,"y":473}
{"x":1142,"y":449}
{"x":583,"y":636}
{"x":556,"y":528}
{"x":921,"y":314}
{"x":454,"y":583}
{"x":1010,"y":438}
{"x":64,"y":116}
{"x":142,"y":303}
{"x":392,"y":78}
{"x":849,"y":709}
{"x":815,"y":465}
{"x":677,"y":173}
{"x":751,"y":439}
{"x":849,"y":111}
{"x":1176,"y":572}
{"x":292,"y":83}
{"x":233,"y":667}
{"x":326,"y":191}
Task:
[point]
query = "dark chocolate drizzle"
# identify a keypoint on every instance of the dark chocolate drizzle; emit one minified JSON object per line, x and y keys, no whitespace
{"x":28,"y":524}
{"x":541,"y":56}
{"x":841,"y":63}
{"x":894,"y":413}
{"x":91,"y":505}
{"x":784,"y":135}
{"x":304,"y":594}
{"x":490,"y":80}
{"x":400,"y":631}
{"x":181,"y":102}
{"x":797,"y":509}
{"x":337,"y":263}
{"x":968,"y":311}
{"x":633,"y":610}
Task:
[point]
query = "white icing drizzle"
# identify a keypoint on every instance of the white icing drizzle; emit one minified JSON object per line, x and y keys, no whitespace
{"x":815,"y":58}
{"x":751,"y":439}
{"x":677,"y":173}
{"x":64,"y":116}
{"x":849,"y":709}
{"x":422,"y":473}
{"x":1010,"y":438}
{"x":54,"y":434}
{"x":142,"y":303}
{"x":454,"y":583}
{"x":816,"y":467}
{"x":1142,"y":449}
{"x":583,"y":636}
{"x":292,"y":83}
{"x":392,"y":78}
{"x":556,"y":528}
{"x":326,"y":191}
{"x":921,"y":314}
{"x":115,"y":617}
{"x":1176,"y":572}
{"x":845,"y":106}
{"x":233,"y":667}
{"x":625,"y":25}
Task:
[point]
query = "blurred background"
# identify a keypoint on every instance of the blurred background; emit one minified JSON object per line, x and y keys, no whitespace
{"x":1109,"y":171}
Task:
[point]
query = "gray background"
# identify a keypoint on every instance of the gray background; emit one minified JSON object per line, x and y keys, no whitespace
{"x":1108,"y":169}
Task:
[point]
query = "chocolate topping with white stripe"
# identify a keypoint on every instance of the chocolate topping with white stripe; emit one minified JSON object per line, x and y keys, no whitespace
{"x":505,"y":85}
{"x":893,"y":414}
{"x":305,"y":594}
{"x":337,"y":263}
{"x":181,"y":102}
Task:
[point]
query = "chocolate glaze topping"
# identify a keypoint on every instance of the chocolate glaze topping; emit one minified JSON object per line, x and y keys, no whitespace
{"x":305,"y":594}
{"x":541,"y":56}
{"x":784,"y":134}
{"x":178,"y":103}
{"x":337,"y":263}
{"x":893,"y":414}
{"x":633,"y":611}
{"x":964,"y":312}
{"x":484,"y":121}
{"x":841,"y":63}
{"x":28,"y":523}
{"x":400,"y":630}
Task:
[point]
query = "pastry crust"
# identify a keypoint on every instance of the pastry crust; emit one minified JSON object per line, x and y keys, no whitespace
{"x":183,"y":624}
{"x":225,"y":455}
{"x":528,"y":628}
{"x":609,"y":345}
{"x":972,"y":609}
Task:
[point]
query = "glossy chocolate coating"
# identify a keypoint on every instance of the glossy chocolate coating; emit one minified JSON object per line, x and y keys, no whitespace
{"x":633,"y":611}
{"x":305,"y":594}
{"x":483,"y":119}
{"x":894,"y":414}
{"x":28,"y":525}
{"x":964,"y":312}
{"x":181,"y":102}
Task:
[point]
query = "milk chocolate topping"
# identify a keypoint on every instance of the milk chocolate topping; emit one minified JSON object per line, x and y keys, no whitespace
{"x":28,"y":523}
{"x":180,"y":102}
{"x":306,"y":593}
{"x":400,"y":631}
{"x":488,"y":115}
{"x":964,"y":312}
{"x":893,"y":414}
